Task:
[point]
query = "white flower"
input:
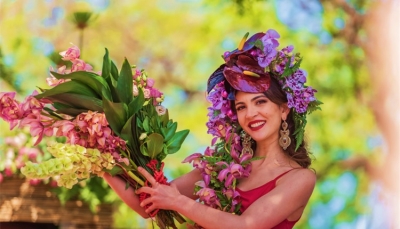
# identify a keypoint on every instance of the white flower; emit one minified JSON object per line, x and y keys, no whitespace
{"x":160,"y":110}
{"x":135,"y":90}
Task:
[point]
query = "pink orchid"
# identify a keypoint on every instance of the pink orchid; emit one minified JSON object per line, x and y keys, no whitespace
{"x":192,"y":157}
{"x":71,"y":53}
{"x":80,"y":65}
{"x":231,"y":172}
{"x":32,"y":105}
{"x":233,"y":195}
{"x":10,"y":109}
{"x":53,"y":81}
{"x":207,"y":195}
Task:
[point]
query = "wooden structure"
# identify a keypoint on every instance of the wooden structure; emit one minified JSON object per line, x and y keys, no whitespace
{"x":22,"y":204}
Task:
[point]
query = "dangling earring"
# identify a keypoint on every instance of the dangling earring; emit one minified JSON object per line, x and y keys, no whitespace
{"x":284,"y":140}
{"x":247,"y":144}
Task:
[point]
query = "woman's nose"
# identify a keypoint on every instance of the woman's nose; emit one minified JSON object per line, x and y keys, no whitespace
{"x":251,"y":112}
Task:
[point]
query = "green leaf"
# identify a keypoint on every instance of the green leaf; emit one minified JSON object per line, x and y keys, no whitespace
{"x":146,"y":124}
{"x":68,"y":87}
{"x":174,"y":144}
{"x":164,"y":118}
{"x":125,"y":83}
{"x":115,"y":170}
{"x":154,"y":144}
{"x":114,"y":72}
{"x":71,"y":111}
{"x":105,"y":72}
{"x":78,"y":101}
{"x":127,"y":132}
{"x":90,"y":79}
{"x":116,"y":114}
{"x":169,"y":131}
{"x":137,"y":103}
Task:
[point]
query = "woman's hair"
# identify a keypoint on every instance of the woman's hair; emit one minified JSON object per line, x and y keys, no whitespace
{"x":276,"y":95}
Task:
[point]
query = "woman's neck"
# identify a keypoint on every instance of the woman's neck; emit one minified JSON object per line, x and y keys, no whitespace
{"x":271,"y":153}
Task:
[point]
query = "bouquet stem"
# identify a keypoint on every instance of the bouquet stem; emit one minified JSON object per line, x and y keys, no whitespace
{"x":135,"y":178}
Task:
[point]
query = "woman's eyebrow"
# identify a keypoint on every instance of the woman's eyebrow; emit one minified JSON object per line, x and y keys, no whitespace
{"x":257,"y":97}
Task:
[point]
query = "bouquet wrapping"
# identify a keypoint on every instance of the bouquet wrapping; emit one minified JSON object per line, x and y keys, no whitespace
{"x":113,"y":121}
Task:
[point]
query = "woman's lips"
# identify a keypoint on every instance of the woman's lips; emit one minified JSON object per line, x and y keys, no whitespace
{"x":256,"y":125}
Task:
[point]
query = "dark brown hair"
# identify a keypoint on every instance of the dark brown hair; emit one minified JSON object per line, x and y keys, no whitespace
{"x":278,"y":96}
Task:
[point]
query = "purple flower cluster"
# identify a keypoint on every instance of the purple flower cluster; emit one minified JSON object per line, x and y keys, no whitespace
{"x":222,"y":164}
{"x":270,"y":43}
{"x":220,"y":112}
{"x":298,"y":95}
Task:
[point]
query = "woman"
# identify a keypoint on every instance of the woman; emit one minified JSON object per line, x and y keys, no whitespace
{"x":267,"y":93}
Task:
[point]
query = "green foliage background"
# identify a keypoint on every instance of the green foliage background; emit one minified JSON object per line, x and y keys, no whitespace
{"x":180,"y":43}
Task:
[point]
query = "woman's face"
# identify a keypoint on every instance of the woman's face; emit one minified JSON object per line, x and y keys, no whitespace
{"x":258,"y":116}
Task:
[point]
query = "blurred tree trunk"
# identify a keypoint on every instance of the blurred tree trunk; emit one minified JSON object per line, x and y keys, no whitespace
{"x":382,"y":52}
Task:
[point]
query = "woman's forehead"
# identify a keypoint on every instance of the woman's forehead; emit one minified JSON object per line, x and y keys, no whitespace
{"x":240,"y":95}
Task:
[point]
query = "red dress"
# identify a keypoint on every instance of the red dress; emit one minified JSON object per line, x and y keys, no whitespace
{"x":248,"y":197}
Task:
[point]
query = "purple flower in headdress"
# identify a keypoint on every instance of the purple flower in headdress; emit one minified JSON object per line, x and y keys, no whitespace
{"x":300,"y":76}
{"x":308,"y":94}
{"x":270,"y":44}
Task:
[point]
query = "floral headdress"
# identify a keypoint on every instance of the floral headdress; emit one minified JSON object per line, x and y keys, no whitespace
{"x":248,"y":68}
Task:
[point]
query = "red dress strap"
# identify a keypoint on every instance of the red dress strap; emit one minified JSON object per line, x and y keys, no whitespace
{"x":276,"y":178}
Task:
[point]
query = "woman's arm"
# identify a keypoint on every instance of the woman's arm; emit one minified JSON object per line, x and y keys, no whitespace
{"x":127,"y":195}
{"x":185,"y":185}
{"x":291,"y":194}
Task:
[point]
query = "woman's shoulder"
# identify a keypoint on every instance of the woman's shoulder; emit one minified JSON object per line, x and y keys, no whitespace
{"x":303,"y":176}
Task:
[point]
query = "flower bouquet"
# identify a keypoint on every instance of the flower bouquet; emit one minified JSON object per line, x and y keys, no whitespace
{"x":113,"y":122}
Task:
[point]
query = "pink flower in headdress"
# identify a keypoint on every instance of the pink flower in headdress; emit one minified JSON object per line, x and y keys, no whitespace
{"x":71,"y":53}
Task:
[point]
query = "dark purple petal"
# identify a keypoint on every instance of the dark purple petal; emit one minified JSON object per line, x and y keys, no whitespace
{"x":245,"y":83}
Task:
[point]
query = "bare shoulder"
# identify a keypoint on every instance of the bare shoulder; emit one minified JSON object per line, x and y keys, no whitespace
{"x":301,"y":176}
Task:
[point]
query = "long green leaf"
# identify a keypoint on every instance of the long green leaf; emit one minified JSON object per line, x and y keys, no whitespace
{"x":116,"y":114}
{"x":170,"y":131}
{"x":125,"y":84}
{"x":114,"y":72}
{"x":174,"y":144}
{"x":92,"y":80}
{"x":106,"y":70}
{"x":78,"y":101}
{"x":68,"y":87}
{"x":137,"y":103}
{"x":71,"y":111}
{"x":127,"y":131}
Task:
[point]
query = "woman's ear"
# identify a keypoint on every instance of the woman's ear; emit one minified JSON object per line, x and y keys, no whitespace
{"x":285,"y":110}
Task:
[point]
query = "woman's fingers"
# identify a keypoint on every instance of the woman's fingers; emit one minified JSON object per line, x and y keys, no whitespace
{"x":147,"y":175}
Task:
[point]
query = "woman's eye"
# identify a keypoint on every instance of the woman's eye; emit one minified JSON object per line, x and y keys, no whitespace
{"x":239,"y":108}
{"x":261,"y":101}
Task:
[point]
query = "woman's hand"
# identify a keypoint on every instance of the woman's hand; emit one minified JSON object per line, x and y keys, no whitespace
{"x":161,"y":196}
